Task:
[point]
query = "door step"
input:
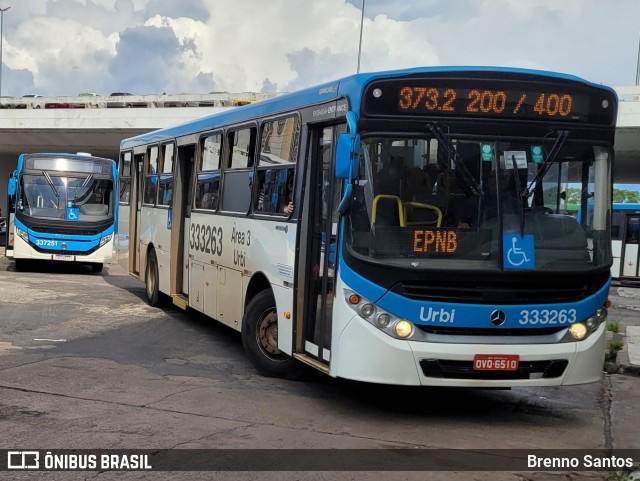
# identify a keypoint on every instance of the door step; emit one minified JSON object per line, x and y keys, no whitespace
{"x":312,"y":362}
{"x":180,"y":300}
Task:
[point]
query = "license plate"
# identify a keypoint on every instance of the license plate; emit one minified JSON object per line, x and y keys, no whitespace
{"x":63,"y":257}
{"x":495,"y":362}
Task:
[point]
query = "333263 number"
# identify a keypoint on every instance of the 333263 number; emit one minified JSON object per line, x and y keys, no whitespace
{"x":206,"y":238}
{"x":547,"y":316}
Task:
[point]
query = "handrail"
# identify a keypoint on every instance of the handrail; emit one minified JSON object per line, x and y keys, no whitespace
{"x":374,"y":208}
{"x":423,"y":206}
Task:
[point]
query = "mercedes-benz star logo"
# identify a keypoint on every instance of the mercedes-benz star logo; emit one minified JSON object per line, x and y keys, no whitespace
{"x":64,"y":245}
{"x":498,"y":317}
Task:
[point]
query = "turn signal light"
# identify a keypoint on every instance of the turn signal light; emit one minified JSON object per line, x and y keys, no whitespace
{"x":354,"y":299}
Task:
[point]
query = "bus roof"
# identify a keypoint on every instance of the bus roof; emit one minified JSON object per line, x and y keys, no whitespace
{"x":79,"y":155}
{"x":351,"y":85}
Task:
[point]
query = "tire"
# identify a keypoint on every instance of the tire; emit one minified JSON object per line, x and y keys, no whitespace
{"x":151,"y":279}
{"x":97,"y":268}
{"x":259,"y":338}
{"x":21,"y":265}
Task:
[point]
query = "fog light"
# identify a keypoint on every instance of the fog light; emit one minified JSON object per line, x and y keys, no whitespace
{"x":404,"y":329}
{"x":591,"y":322}
{"x":602,"y":314}
{"x":354,"y":299}
{"x":383,"y":320}
{"x":367,"y":310}
{"x":578,"y":331}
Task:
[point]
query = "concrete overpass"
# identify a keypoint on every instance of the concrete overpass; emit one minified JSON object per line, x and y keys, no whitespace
{"x":42,"y":125}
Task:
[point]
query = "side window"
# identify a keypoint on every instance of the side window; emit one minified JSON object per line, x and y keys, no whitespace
{"x":617,"y":220}
{"x":238,"y":174}
{"x":151,"y":176}
{"x":124,"y":171}
{"x":208,"y":177}
{"x":633,"y":231}
{"x":165,"y":192}
{"x":276,"y":166}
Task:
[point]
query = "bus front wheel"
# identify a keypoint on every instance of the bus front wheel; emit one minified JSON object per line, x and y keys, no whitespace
{"x":96,"y":268}
{"x":151,"y":279}
{"x":260,"y":339}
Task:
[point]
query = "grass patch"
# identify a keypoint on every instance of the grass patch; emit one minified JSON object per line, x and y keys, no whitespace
{"x":613,"y":327}
{"x":615,"y":345}
{"x":611,"y":365}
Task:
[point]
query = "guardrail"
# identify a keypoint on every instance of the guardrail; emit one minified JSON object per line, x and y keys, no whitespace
{"x":222,"y":99}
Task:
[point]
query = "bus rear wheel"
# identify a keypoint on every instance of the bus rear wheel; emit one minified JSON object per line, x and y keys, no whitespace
{"x":260,"y":339}
{"x":151,"y":279}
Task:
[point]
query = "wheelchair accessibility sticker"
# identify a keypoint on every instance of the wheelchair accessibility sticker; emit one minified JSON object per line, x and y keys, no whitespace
{"x":73,"y":213}
{"x":518,"y":251}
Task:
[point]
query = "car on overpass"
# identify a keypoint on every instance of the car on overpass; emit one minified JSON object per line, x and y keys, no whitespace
{"x":123,"y":102}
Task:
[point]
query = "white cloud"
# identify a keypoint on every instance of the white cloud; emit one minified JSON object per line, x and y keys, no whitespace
{"x":289,"y":44}
{"x":241,"y":48}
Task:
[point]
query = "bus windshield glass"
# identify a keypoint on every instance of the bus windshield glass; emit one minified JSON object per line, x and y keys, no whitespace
{"x":78,"y":197}
{"x":451,"y":203}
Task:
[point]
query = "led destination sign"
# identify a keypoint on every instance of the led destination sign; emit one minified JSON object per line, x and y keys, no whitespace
{"x":492,"y":102}
{"x":430,"y":242}
{"x":490,"y":99}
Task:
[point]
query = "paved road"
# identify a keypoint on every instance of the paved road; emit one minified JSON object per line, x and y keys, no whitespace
{"x":85,"y":363}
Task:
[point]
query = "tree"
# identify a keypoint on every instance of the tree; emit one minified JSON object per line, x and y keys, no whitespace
{"x":625,"y":196}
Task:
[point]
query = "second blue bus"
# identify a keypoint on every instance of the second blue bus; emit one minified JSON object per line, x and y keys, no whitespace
{"x":61,"y":207}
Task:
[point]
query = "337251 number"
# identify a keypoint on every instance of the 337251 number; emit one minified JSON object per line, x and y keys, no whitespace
{"x":206,"y":238}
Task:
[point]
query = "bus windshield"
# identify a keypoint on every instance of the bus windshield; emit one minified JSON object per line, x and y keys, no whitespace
{"x":438,"y":203}
{"x":48,"y":196}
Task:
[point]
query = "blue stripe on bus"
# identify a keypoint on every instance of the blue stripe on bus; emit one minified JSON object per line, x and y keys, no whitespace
{"x":64,"y":237}
{"x":468,"y":315}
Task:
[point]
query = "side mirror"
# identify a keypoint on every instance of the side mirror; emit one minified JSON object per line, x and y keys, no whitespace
{"x":343,"y":157}
{"x":11,"y":188}
{"x":348,"y":150}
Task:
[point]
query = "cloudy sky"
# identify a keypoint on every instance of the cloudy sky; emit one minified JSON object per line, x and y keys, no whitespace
{"x":64,"y":47}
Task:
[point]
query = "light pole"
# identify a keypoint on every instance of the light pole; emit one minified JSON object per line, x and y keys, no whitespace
{"x":359,"y":44}
{"x":2,"y":10}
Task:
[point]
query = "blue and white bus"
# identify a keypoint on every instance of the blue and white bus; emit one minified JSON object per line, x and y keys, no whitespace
{"x":625,"y":239}
{"x":405,"y":227}
{"x":61,"y":207}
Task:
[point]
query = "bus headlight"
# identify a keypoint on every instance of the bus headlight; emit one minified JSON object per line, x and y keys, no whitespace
{"x":105,"y":239}
{"x":367,"y":310}
{"x":601,"y":314}
{"x":581,"y":330}
{"x":404,"y":329}
{"x":578,"y":331}
{"x":22,"y":234}
{"x":385,"y":321}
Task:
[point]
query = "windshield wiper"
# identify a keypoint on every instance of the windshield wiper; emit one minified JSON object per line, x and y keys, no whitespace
{"x":469,"y":184}
{"x":53,"y":187}
{"x":546,"y":165}
{"x":86,"y":181}
{"x":519,"y":193}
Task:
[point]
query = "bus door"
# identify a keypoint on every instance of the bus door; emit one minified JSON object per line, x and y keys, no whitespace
{"x":319,"y":226}
{"x":629,"y":261}
{"x":134,"y":219}
{"x":180,"y":215}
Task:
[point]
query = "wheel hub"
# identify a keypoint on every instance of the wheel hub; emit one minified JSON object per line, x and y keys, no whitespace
{"x":268,"y":334}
